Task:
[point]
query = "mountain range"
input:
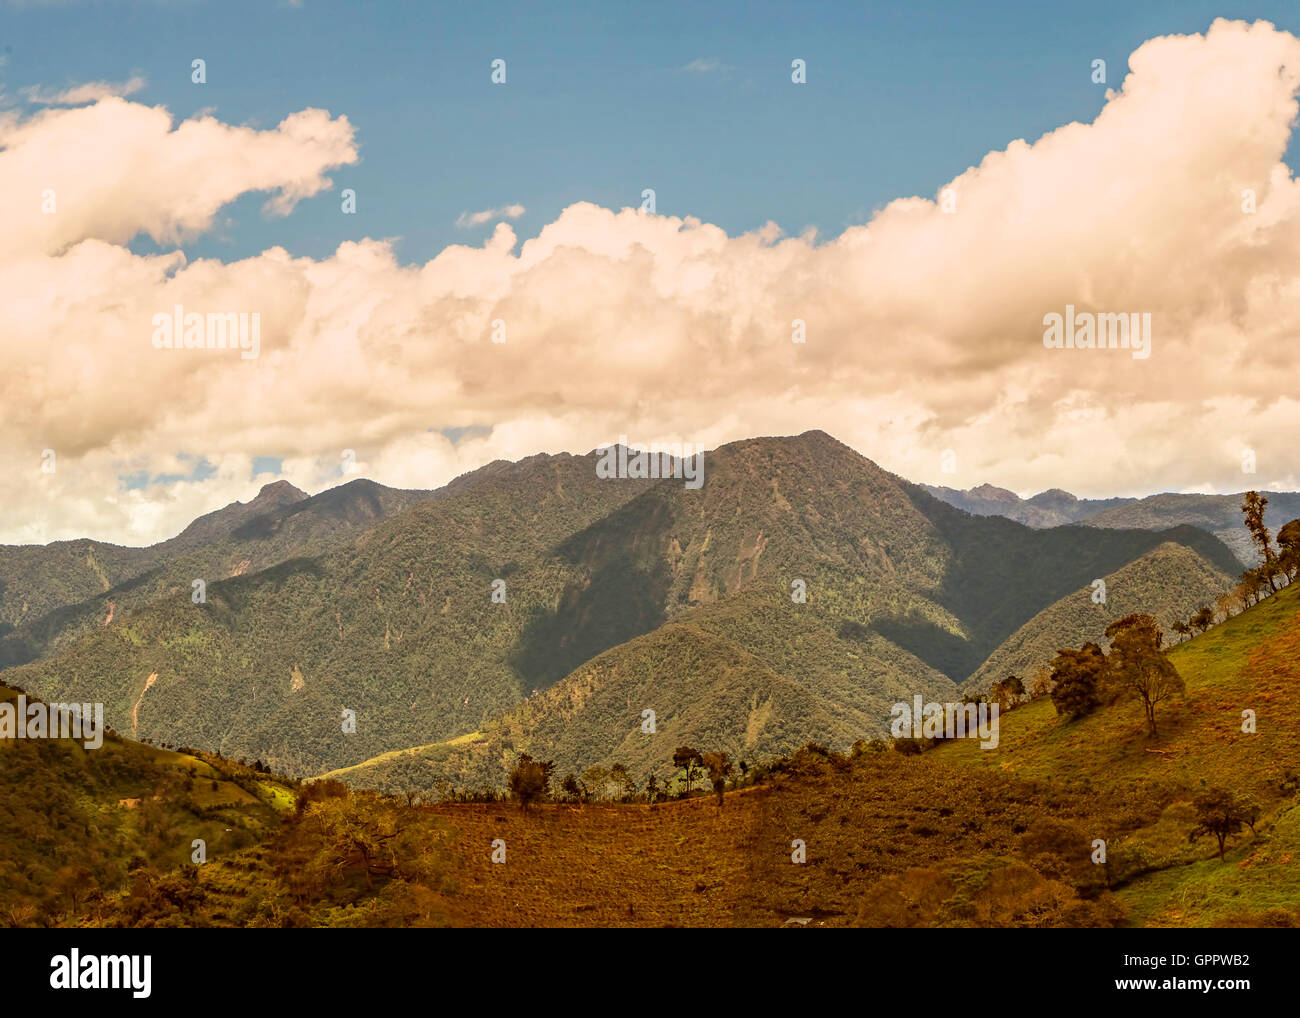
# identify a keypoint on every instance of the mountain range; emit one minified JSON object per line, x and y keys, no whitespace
{"x":1218,"y":514}
{"x":537,"y":607}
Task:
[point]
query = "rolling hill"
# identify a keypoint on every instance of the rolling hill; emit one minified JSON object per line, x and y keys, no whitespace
{"x":1219,"y":515}
{"x":1171,"y":583}
{"x":77,"y":824}
{"x":1052,"y":508}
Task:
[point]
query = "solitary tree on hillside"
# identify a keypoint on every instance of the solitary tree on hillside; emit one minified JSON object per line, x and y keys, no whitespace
{"x":1203,"y":619}
{"x":1076,"y":680}
{"x":530,"y":780}
{"x":1288,"y":540}
{"x":72,"y":881}
{"x":622,"y":780}
{"x":1042,"y":684}
{"x":1222,"y":814}
{"x":1248,"y":588}
{"x":1253,"y":505}
{"x":1182,"y":629}
{"x":1139,"y":665}
{"x":719,"y":768}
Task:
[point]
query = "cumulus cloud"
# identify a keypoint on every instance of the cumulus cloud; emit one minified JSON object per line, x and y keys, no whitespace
{"x":924,"y":326}
{"x":77,"y":95}
{"x":467,"y":220}
{"x":113,"y":170}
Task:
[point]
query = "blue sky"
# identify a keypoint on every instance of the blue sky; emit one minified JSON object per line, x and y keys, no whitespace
{"x":599,"y":103}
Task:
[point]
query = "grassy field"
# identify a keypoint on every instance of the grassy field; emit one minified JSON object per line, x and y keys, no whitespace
{"x":1248,"y":663}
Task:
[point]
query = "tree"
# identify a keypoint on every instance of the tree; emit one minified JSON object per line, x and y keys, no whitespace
{"x":1076,"y":680}
{"x":352,"y":837}
{"x":595,"y":782}
{"x":570,"y":787}
{"x":1253,"y":506}
{"x":619,"y":776}
{"x":1140,"y":666}
{"x":71,"y":880}
{"x":719,"y":768}
{"x":1182,"y":629}
{"x":530,"y":780}
{"x":689,"y":760}
{"x":1008,"y":691}
{"x":652,"y":788}
{"x":1222,"y":814}
{"x":1288,"y":541}
{"x":1203,"y":619}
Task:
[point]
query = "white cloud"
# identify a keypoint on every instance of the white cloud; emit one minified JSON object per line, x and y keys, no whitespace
{"x":468,"y":220}
{"x":78,"y":95}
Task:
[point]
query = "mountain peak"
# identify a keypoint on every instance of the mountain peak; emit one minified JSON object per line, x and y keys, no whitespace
{"x":279,"y":491}
{"x":1054,"y":496}
{"x":993,"y":492}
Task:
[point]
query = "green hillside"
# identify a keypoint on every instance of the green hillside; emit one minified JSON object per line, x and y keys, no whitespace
{"x":753,"y":677}
{"x":954,"y":836}
{"x":397,"y":625}
{"x":1170,"y":583}
{"x":37,"y":579}
{"x":1250,"y":662}
{"x":77,"y":823}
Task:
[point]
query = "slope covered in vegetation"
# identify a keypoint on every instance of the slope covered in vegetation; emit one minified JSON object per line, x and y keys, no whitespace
{"x":843,"y":580}
{"x":1170,"y":583}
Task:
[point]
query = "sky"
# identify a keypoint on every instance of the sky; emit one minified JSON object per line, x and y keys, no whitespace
{"x":943,"y":179}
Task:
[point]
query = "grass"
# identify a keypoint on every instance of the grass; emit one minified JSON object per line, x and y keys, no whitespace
{"x":1249,"y":662}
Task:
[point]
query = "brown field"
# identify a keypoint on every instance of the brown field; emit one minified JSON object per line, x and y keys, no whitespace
{"x":689,"y":863}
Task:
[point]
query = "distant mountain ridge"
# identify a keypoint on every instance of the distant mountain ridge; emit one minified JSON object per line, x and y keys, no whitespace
{"x":1218,"y":514}
{"x":1051,"y":508}
{"x":53,"y":594}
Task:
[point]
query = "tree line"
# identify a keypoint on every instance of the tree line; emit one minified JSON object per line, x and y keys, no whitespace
{"x":1278,"y":564}
{"x":530,"y":780}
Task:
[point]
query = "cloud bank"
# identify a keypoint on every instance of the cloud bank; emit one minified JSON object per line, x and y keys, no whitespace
{"x":923,"y":327}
